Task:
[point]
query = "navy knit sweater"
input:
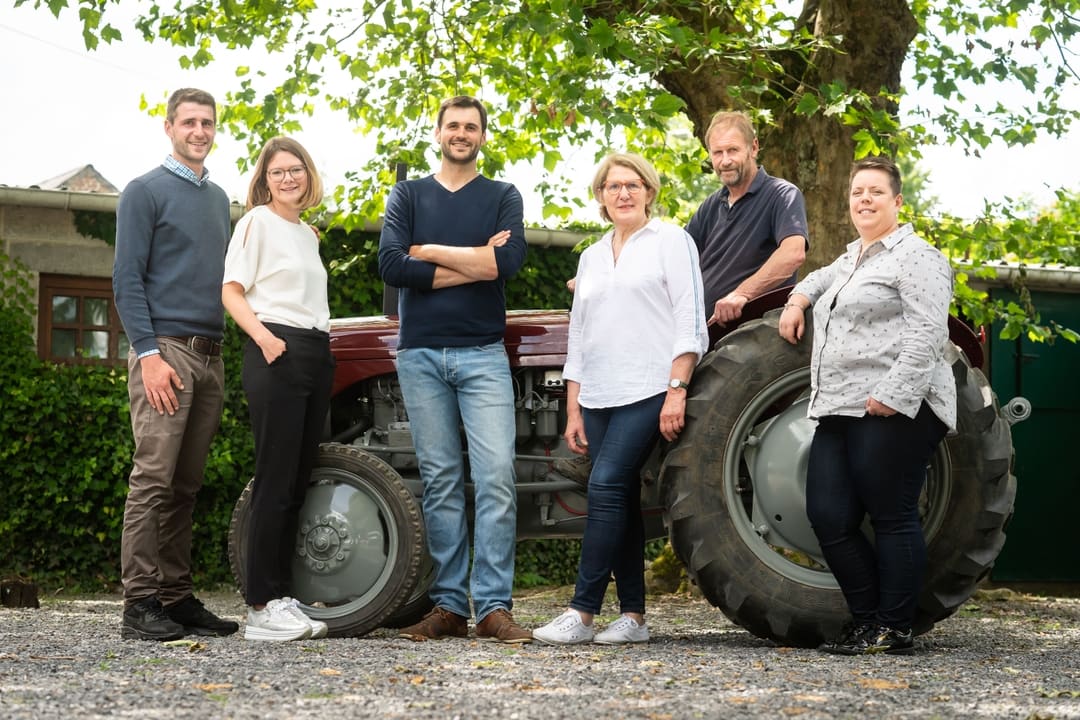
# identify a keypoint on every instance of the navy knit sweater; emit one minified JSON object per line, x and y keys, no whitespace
{"x":423,"y":212}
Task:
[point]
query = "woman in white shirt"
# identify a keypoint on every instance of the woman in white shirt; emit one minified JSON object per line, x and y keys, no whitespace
{"x":884,"y":396}
{"x":275,"y":289}
{"x":637,"y":330}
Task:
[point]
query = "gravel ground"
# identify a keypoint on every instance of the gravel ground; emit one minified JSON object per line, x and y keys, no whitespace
{"x":1005,"y":655}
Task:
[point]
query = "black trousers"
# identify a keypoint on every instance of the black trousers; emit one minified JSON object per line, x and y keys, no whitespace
{"x":288,"y":401}
{"x":874,"y":466}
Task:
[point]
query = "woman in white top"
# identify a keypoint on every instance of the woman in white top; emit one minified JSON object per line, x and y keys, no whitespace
{"x":275,"y":289}
{"x":883,"y":394}
{"x":637,"y":330}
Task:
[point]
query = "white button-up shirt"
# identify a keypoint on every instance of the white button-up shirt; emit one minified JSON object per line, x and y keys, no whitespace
{"x":881,"y":328}
{"x":631,"y":319}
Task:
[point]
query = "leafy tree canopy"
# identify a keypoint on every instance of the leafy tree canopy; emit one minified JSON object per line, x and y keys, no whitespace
{"x":822,"y":79}
{"x":563,"y":73}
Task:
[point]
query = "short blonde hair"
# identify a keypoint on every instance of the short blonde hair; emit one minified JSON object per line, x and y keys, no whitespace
{"x":638,"y":164}
{"x":259,"y":190}
{"x":728,"y":119}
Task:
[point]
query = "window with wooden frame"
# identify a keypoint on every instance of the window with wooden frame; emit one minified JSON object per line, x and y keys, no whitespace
{"x":77,"y":321}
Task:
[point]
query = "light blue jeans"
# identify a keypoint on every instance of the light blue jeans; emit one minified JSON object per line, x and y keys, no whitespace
{"x":469,"y":386}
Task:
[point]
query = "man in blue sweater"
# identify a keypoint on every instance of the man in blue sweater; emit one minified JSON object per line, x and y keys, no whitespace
{"x":172,"y":226}
{"x":449,"y":242}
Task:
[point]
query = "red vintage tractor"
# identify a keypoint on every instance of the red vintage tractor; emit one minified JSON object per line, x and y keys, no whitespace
{"x":729,"y":493}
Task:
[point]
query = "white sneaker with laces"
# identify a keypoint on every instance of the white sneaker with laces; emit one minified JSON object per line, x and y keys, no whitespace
{"x":567,"y":629}
{"x":318,"y":627}
{"x":624,"y":630}
{"x":275,"y":622}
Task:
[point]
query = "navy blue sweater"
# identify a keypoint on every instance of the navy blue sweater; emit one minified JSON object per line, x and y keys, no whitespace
{"x":170,"y":257}
{"x":422,"y":212}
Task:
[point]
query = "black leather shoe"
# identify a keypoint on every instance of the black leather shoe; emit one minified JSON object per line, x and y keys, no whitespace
{"x":850,"y":640}
{"x":145,"y":619}
{"x":888,"y":640}
{"x":197,"y":620}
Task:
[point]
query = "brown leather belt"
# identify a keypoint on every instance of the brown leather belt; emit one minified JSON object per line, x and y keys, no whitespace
{"x":199,"y":344}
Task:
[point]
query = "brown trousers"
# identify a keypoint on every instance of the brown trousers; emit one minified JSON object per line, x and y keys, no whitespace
{"x":170,"y":455}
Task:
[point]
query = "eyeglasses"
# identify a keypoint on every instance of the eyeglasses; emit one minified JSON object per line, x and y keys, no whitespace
{"x":615,"y":189}
{"x":296,"y":172}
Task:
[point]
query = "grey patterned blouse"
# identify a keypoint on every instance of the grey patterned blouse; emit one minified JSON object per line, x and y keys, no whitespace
{"x":881,"y":329}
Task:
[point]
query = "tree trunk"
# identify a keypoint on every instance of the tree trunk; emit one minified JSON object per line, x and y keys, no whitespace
{"x":816,"y":152}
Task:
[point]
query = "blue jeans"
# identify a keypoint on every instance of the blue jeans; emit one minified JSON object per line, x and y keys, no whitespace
{"x":874,"y":466}
{"x":620,"y":440}
{"x":469,"y":386}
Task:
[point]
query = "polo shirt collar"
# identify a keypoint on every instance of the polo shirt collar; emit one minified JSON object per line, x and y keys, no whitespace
{"x":759,"y":180}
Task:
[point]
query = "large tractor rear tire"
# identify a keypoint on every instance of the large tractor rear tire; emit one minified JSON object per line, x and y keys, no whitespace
{"x":734,"y":489}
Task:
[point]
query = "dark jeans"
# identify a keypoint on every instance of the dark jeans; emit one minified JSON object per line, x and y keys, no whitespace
{"x":873,"y":466}
{"x":620,"y":440}
{"x":288,"y":401}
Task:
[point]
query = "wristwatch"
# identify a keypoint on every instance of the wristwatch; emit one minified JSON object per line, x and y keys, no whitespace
{"x":676,"y":384}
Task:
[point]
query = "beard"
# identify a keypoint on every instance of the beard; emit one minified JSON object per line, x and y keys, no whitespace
{"x":738,"y":171}
{"x":448,"y":155}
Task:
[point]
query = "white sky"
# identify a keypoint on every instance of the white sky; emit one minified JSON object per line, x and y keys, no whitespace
{"x":65,"y":107}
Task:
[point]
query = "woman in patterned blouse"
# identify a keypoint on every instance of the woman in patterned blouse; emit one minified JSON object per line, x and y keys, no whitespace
{"x":883,"y":395}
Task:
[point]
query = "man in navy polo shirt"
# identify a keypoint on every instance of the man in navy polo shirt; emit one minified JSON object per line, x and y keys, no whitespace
{"x":751,"y":233}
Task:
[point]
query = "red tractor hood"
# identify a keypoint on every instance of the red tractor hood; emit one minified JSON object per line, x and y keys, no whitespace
{"x":365,"y":347}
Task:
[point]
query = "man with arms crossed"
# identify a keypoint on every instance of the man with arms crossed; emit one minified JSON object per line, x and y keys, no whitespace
{"x":449,"y":242}
{"x":172,"y":226}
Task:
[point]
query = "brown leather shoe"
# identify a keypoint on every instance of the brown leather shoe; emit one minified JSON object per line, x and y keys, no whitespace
{"x":499,"y":626}
{"x":438,"y":624}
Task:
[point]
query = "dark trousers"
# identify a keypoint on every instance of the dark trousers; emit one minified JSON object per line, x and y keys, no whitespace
{"x":873,"y":466}
{"x":288,"y":401}
{"x":620,"y":440}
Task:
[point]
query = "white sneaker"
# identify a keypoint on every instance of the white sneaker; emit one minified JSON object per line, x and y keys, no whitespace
{"x":624,"y":630}
{"x":567,"y":629}
{"x":318,"y":627}
{"x":275,"y":622}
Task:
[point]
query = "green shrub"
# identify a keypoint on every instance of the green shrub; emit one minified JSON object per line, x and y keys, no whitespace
{"x":66,"y":445}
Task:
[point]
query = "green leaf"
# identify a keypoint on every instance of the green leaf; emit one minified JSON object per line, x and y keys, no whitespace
{"x":666,"y":104}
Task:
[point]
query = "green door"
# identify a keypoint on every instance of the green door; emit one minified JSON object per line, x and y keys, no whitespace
{"x":1043,"y":540}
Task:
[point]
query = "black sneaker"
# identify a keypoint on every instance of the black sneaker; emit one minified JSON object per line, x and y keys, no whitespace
{"x":888,"y":640}
{"x":145,"y":619}
{"x":850,"y":641}
{"x":197,"y":620}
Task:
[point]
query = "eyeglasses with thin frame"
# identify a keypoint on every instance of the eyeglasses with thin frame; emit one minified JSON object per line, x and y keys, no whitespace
{"x":295,"y":172}
{"x":615,"y":189}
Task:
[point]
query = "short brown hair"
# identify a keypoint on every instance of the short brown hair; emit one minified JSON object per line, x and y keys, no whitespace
{"x":259,"y":190}
{"x":463,"y":101}
{"x":882,"y":163}
{"x":732,"y":119}
{"x":192,"y":95}
{"x":638,"y":164}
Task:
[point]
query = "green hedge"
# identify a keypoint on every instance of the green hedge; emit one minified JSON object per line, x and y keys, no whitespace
{"x":65,"y":437}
